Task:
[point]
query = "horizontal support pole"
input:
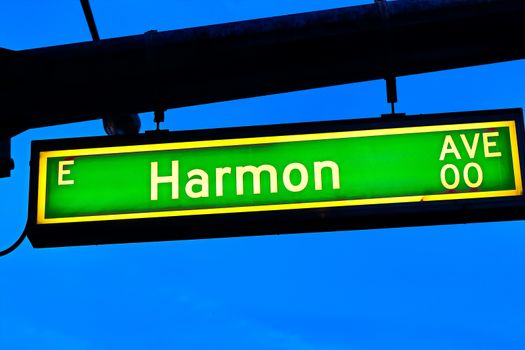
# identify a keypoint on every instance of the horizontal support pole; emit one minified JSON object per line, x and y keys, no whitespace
{"x":161,"y":70}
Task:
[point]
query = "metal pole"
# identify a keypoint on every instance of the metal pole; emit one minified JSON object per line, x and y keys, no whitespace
{"x":54,"y":85}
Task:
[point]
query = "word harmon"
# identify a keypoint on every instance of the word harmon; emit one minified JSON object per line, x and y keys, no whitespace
{"x":197,"y":185}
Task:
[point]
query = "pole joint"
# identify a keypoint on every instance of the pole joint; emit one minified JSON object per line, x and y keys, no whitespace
{"x":7,"y":164}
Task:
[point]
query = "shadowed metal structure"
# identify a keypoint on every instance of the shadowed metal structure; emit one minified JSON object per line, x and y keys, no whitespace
{"x":161,"y":70}
{"x":115,"y":124}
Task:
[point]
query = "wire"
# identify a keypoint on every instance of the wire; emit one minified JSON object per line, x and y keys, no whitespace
{"x":14,"y":246}
{"x":90,"y":19}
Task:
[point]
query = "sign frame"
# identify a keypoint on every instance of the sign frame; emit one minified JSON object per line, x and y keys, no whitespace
{"x":281,"y":221}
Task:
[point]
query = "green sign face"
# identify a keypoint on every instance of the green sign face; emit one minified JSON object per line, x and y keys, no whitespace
{"x":412,"y":164}
{"x":315,"y":170}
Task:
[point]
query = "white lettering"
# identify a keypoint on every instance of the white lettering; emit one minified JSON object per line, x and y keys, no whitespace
{"x":318,"y":176}
{"x":201,"y":180}
{"x":173,"y":179}
{"x":449,"y":147}
{"x":256,"y":172}
{"x":471,"y":150}
{"x":467,"y":177}
{"x":303,"y":181}
{"x":488,"y":144}
{"x":219,"y":173}
{"x":455,"y":171}
{"x":62,"y":171}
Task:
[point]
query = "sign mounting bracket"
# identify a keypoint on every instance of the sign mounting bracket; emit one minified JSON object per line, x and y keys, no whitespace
{"x":390,"y":76}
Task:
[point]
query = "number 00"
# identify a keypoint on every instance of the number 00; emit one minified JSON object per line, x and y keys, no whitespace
{"x":457,"y":176}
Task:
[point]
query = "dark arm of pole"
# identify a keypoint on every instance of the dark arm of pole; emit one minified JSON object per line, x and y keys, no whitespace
{"x":55,"y":85}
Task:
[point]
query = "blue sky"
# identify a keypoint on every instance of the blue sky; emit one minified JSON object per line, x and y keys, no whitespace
{"x":447,"y":287}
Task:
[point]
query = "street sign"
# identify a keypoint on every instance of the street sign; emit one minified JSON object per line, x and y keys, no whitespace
{"x":388,"y":172}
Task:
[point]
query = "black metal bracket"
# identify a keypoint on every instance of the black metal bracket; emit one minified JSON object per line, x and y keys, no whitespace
{"x":390,"y":76}
{"x":391,"y":92}
{"x":158,"y":117}
{"x":7,"y":163}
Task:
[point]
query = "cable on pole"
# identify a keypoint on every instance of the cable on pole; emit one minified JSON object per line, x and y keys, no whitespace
{"x":14,"y":245}
{"x":86,"y":7}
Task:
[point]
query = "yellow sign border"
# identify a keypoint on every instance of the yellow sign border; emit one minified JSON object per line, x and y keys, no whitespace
{"x":44,"y":156}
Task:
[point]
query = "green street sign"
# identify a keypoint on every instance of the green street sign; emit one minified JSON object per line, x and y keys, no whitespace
{"x":293,"y":178}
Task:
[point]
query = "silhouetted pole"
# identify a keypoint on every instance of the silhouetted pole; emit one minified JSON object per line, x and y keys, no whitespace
{"x":161,"y":70}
